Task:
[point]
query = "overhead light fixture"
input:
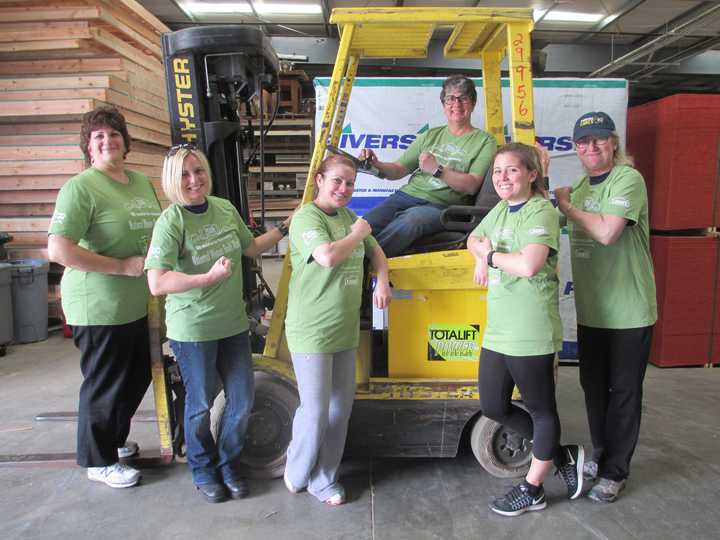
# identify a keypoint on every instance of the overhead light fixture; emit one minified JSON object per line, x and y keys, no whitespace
{"x":261,"y":8}
{"x":567,"y":16}
{"x":216,"y":7}
{"x":283,"y":9}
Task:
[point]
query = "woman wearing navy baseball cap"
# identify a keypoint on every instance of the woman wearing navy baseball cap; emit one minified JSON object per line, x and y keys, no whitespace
{"x":607,"y":219}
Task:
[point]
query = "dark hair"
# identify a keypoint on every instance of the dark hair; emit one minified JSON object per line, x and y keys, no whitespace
{"x":463,"y":83}
{"x":100,"y":118}
{"x":530,"y":158}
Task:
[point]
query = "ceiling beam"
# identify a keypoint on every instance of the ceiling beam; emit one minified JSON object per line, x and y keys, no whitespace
{"x":677,"y":21}
{"x":326,"y":16}
{"x":651,"y":47}
{"x":602,"y":25}
{"x":255,"y":14}
{"x":679,"y":56}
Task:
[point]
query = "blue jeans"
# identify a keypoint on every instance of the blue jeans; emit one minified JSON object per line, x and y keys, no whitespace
{"x":401,"y":219}
{"x":203,"y":365}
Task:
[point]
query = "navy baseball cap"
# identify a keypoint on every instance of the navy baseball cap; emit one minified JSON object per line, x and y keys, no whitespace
{"x":593,"y":124}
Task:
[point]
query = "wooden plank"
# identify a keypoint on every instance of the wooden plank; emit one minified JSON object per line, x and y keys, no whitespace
{"x":64,"y":65}
{"x":101,"y":94}
{"x":24,"y":224}
{"x":39,"y":140}
{"x":48,"y":13}
{"x":149,"y":135}
{"x":42,"y":209}
{"x":40,"y":196}
{"x":44,"y":31}
{"x":42,"y":108}
{"x":32,"y":183}
{"x":32,"y":153}
{"x":47,"y":128}
{"x":144,"y":121}
{"x":63,"y":83}
{"x":125,"y":31}
{"x":34,"y":168}
{"x":141,"y":14}
{"x":116,"y":44}
{"x":63,"y":45}
{"x":120,"y":100}
{"x":28,"y":239}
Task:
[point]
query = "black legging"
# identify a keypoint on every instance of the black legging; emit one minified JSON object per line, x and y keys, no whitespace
{"x":534,"y":376}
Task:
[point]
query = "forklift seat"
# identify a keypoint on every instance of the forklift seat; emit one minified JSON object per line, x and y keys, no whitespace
{"x":459,"y":221}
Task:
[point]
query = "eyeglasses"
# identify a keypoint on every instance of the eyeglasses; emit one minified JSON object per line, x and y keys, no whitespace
{"x":583,"y":143}
{"x":447,"y":100}
{"x":185,"y":146}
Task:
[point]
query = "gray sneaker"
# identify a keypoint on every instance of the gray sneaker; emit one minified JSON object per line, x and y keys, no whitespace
{"x":590,"y":470}
{"x":129,"y":449}
{"x":606,"y":491}
{"x":115,"y":476}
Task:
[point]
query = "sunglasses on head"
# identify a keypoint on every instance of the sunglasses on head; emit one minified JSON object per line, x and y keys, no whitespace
{"x":185,"y":146}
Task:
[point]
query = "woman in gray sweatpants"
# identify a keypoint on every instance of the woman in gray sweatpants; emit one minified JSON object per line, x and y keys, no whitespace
{"x":328,"y":243}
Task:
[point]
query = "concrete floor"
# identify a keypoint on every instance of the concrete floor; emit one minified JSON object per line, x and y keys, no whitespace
{"x":672,"y":494}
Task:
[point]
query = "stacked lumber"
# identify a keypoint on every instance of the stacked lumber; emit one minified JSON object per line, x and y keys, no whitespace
{"x":58,"y":61}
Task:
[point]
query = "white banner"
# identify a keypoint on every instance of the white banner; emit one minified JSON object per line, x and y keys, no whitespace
{"x":386,"y":114}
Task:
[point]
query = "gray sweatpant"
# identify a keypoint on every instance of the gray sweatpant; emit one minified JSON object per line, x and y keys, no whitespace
{"x":326,"y":383}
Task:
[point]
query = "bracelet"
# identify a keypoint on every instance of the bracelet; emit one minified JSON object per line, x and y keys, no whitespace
{"x":283,"y":228}
{"x":490,"y":257}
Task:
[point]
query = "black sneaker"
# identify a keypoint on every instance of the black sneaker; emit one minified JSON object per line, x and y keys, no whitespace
{"x":571,"y":470}
{"x":518,"y":501}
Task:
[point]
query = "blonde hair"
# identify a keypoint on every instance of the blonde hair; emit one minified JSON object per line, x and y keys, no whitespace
{"x":530,"y":158}
{"x":619,"y":156}
{"x":172,"y":174}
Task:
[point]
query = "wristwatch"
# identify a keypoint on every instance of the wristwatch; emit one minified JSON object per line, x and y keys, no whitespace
{"x":438,"y":172}
{"x":283,"y":228}
{"x":489,"y":258}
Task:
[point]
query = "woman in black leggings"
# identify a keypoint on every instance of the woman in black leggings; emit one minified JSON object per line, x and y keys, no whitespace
{"x":515,"y":247}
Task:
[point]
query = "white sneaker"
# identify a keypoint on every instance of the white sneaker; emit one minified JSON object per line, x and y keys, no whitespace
{"x":130,"y":449}
{"x":115,"y":476}
{"x":590,"y":470}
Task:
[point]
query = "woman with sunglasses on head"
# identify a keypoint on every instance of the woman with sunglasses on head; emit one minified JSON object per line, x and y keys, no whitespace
{"x":195,"y":259}
{"x":516,"y":247}
{"x":614,"y":282}
{"x":446,"y":164}
{"x":328,"y":245}
{"x":100,"y":232}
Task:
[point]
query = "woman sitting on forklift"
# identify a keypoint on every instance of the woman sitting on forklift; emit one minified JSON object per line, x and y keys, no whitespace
{"x":195,"y":259}
{"x":515,"y":247}
{"x":328,"y":244}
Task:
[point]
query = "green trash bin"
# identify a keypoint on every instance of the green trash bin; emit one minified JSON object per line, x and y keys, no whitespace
{"x":30,"y":299}
{"x":6,"y":314}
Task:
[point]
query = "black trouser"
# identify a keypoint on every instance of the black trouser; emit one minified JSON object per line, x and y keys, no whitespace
{"x":115,"y":363}
{"x":612,"y":370}
{"x":535,"y":377}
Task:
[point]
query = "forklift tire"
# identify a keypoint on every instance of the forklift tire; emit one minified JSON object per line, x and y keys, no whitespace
{"x":502,"y":452}
{"x":269,"y":429}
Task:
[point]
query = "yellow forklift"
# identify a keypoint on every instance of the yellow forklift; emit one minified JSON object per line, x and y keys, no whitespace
{"x":417,"y":392}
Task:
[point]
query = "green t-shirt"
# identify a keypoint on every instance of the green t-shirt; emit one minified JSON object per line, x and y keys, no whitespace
{"x":324,"y":303}
{"x":191,"y":243}
{"x":111,"y":219}
{"x":615,"y":284}
{"x":523,"y":315}
{"x":469,"y":153}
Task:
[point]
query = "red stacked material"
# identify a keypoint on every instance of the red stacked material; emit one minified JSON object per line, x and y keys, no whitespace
{"x":675,"y":143}
{"x":686,"y":275}
{"x":715,"y":350}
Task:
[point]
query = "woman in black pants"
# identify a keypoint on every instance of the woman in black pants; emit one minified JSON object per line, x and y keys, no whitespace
{"x":607,"y":218}
{"x":515,"y":247}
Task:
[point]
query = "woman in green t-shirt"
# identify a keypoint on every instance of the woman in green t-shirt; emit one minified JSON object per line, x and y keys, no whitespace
{"x":328,"y":245}
{"x":100,"y":232}
{"x":614,"y":283}
{"x":195,"y":259}
{"x":515,"y":247}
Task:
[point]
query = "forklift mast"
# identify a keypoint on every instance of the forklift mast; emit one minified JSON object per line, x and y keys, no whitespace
{"x":211,"y":74}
